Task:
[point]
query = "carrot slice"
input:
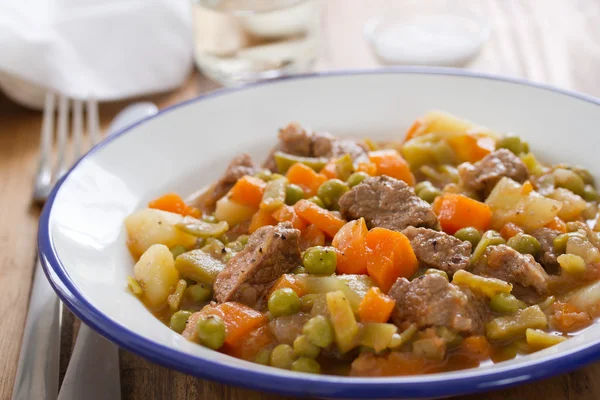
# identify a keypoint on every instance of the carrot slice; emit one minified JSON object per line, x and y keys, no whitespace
{"x":391,"y":163}
{"x":250,"y":345}
{"x":325,"y":220}
{"x":456,"y":211}
{"x":248,"y":190}
{"x":330,"y":170}
{"x":376,"y":306}
{"x":287,"y":213}
{"x":311,"y":236}
{"x":172,"y":202}
{"x":391,"y":257}
{"x":259,"y":219}
{"x":367,"y":167}
{"x":509,"y":230}
{"x":239,"y":320}
{"x":353,"y":254}
{"x":557,"y":224}
{"x":306,"y":178}
{"x":414,"y":129}
{"x":471,"y":147}
{"x":289,"y":281}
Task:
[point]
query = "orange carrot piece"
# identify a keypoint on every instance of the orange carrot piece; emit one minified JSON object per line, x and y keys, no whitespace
{"x":390,"y":162}
{"x":261,"y":218}
{"x":414,"y":130}
{"x":526,"y":188}
{"x":248,"y":190}
{"x":477,"y":347}
{"x":324,"y":219}
{"x":456,"y":211}
{"x":287,"y":213}
{"x":557,"y":224}
{"x":471,"y":147}
{"x":306,"y":178}
{"x":375,"y":306}
{"x":330,"y":170}
{"x":172,"y":202}
{"x":240,"y":320}
{"x":367,"y":167}
{"x":509,"y":230}
{"x":289,"y":281}
{"x":250,"y":345}
{"x":311,"y":236}
{"x":353,"y":254}
{"x":391,"y":257}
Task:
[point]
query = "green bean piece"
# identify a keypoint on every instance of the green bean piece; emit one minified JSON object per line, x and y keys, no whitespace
{"x":469,"y":234}
{"x":177,"y":250}
{"x":211,"y":332}
{"x":449,"y":336}
{"x":514,"y":326}
{"x":589,"y":193}
{"x":284,"y":302}
{"x":274,"y":195}
{"x":429,"y":193}
{"x":319,"y":331}
{"x":489,"y":238}
{"x":560,"y":242}
{"x":331,"y":191}
{"x":506,"y":303}
{"x":283,"y":356}
{"x":179,"y":320}
{"x":547,"y":302}
{"x":293,"y":194}
{"x":284,"y":161}
{"x":432,"y":271}
{"x":212,"y":246}
{"x":202,"y":229}
{"x":199,"y":293}
{"x":422,"y":185}
{"x":570,"y":180}
{"x":200,"y":266}
{"x":307,"y":365}
{"x":524,"y":244}
{"x":320,"y":260}
{"x":263,"y":357}
{"x":211,"y":219}
{"x":344,"y":167}
{"x":317,"y":201}
{"x":305,"y":348}
{"x":174,"y":299}
{"x":400,"y":339}
{"x":513,"y":143}
{"x":356,"y":178}
{"x":134,"y":286}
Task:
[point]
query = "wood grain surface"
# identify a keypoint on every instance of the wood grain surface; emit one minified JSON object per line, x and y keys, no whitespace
{"x":550,"y":41}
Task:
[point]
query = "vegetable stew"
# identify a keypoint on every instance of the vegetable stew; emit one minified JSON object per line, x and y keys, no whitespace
{"x":446,"y":248}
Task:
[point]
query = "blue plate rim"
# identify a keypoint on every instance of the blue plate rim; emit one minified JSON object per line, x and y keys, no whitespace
{"x":299,"y":384}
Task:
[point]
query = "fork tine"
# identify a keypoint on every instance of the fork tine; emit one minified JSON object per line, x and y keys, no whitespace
{"x":43,"y":178}
{"x":77,"y":128}
{"x":63,"y":116}
{"x":92,"y":120}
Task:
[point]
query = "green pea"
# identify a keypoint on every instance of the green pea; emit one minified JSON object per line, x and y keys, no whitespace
{"x":179,"y":320}
{"x":331,"y":191}
{"x":211,"y":332}
{"x":177,"y":250}
{"x":282,"y":356}
{"x":199,"y":293}
{"x":263,"y":357}
{"x":589,"y":193}
{"x":506,"y":303}
{"x":307,"y":365}
{"x":320,"y":260}
{"x":524,"y":244}
{"x":284,"y":302}
{"x":356,"y":178}
{"x":293,"y":194}
{"x":319,"y":331}
{"x":513,"y":143}
{"x":422,"y":185}
{"x":429,"y":193}
{"x":570,"y":180}
{"x":587,"y":177}
{"x":317,"y":201}
{"x":468,"y":234}
{"x":305,"y":348}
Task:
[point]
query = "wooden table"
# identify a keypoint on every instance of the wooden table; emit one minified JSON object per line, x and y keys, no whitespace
{"x":552,"y":41}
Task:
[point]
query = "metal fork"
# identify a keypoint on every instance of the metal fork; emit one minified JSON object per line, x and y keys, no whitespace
{"x":37,"y":371}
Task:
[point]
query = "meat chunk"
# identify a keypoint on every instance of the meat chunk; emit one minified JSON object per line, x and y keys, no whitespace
{"x":528,"y":277}
{"x":484,"y":174}
{"x":271,"y":252}
{"x":438,"y":249}
{"x":240,"y":166}
{"x":547,"y":255}
{"x":387,"y":203}
{"x":293,"y":139}
{"x":430,"y":300}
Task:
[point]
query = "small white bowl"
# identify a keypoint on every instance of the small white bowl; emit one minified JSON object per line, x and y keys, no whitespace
{"x":82,"y":239}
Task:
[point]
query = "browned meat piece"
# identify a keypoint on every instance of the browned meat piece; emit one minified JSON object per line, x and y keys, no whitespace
{"x":293,"y":139}
{"x":528,"y":277}
{"x":430,"y":300}
{"x":547,"y":255}
{"x":240,"y":166}
{"x":438,"y":249}
{"x":271,"y":252}
{"x":387,"y":203}
{"x":484,"y":174}
{"x":287,"y":329}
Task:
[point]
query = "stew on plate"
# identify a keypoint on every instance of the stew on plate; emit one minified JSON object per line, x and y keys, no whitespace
{"x":445,"y":249}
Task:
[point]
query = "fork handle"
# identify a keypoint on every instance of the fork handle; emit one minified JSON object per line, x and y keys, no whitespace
{"x":37,"y":372}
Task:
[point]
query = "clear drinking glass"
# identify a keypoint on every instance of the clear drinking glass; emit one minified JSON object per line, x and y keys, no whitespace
{"x":238,"y":41}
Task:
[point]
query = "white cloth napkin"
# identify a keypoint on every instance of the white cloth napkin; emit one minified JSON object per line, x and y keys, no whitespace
{"x":106,"y":49}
